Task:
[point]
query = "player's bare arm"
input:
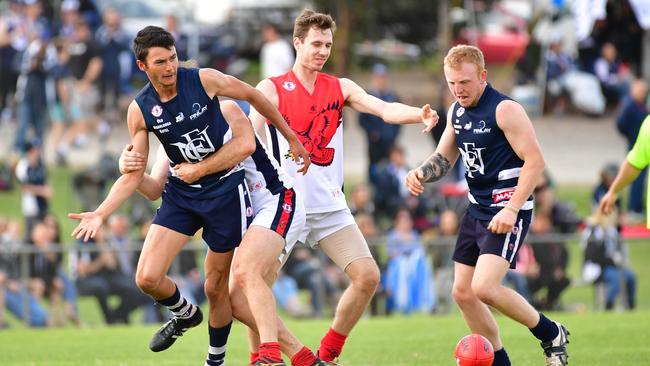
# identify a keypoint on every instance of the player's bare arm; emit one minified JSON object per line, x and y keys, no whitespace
{"x":123,"y":188}
{"x":267,"y":88}
{"x":518,"y":130}
{"x":217,"y":83}
{"x":627,"y":173}
{"x":152,"y":184}
{"x":241,"y":146}
{"x":437,"y":165}
{"x":395,"y":113}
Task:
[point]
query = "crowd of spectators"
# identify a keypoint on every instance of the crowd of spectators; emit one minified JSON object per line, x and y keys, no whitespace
{"x":77,"y":75}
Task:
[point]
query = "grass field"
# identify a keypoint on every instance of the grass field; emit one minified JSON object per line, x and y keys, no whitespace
{"x":597,"y":339}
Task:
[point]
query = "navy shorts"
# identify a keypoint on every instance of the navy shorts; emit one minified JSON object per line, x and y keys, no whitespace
{"x":224,"y":219}
{"x":474,"y":239}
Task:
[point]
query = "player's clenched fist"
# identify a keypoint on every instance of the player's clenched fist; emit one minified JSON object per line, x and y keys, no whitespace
{"x":414,"y":181}
{"x":188,"y":173}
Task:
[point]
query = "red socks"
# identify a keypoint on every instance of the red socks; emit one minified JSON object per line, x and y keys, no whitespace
{"x":331,"y":345}
{"x":270,"y":350}
{"x":304,"y":357}
{"x":254,"y":357}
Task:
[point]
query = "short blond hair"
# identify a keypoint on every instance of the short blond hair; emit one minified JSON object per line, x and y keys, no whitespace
{"x":464,"y":53}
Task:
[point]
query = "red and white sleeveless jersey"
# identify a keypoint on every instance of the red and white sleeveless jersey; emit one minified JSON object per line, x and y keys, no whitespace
{"x":316,"y":119}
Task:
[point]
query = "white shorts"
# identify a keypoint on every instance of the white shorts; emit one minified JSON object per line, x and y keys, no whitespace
{"x":283,"y":213}
{"x":321,"y":225}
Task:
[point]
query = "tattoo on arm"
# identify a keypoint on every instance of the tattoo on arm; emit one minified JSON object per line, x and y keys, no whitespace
{"x":435,"y":168}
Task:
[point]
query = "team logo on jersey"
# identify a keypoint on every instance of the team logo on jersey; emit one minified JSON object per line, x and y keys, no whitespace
{"x":287,"y":208}
{"x":156,"y":111}
{"x":460,"y":111}
{"x":468,"y":125}
{"x":481,"y":128}
{"x":316,"y":134}
{"x":180,"y":117}
{"x":289,"y":86}
{"x":472,"y":159}
{"x":197,"y":110}
{"x":196,"y":146}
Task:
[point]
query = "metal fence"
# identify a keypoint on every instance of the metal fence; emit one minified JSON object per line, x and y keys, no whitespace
{"x":23,"y":251}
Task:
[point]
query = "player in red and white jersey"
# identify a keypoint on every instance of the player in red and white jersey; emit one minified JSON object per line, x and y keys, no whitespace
{"x":312,"y":104}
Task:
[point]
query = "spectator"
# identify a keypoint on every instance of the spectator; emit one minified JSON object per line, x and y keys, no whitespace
{"x":276,"y":56}
{"x":307,"y":271}
{"x":12,"y":295}
{"x":563,"y":214}
{"x":97,"y":274}
{"x":31,"y":95}
{"x":115,"y":55}
{"x":612,"y":74}
{"x":443,"y":265}
{"x":47,"y":275}
{"x":32,"y":175}
{"x":607,"y":176}
{"x":380,"y":136}
{"x":10,"y":23}
{"x":408,"y":281}
{"x":628,"y":122}
{"x":59,"y":104}
{"x":552,"y":258}
{"x":285,"y":291}
{"x":559,"y":64}
{"x":85,"y":65}
{"x":606,"y":259}
{"x":69,"y":17}
{"x":390,"y":191}
{"x":182,"y":41}
{"x":361,"y":201}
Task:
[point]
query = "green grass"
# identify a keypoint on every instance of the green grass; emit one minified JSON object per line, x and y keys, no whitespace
{"x":596,"y":339}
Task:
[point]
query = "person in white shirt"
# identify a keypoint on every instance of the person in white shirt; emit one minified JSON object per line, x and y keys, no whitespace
{"x":276,"y":56}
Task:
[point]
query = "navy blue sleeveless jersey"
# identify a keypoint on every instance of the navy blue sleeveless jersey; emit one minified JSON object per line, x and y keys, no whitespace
{"x":190,"y":127}
{"x":491,"y":166}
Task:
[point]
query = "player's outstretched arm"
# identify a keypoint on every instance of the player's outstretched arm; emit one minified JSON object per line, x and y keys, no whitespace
{"x":152,"y":184}
{"x":396,"y":113}
{"x":437,"y":165}
{"x":123,"y":188}
{"x":240,"y":146}
{"x":518,"y":130}
{"x":226,"y":85}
